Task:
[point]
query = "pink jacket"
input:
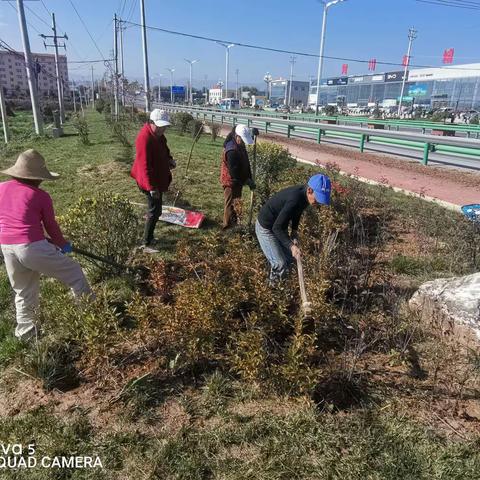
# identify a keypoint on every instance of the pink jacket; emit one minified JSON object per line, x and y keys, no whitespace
{"x":25,"y":211}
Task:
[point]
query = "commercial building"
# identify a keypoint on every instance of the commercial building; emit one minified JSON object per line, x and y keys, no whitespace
{"x":455,"y":86}
{"x":215,"y":95}
{"x":13,"y":74}
{"x":280,"y":91}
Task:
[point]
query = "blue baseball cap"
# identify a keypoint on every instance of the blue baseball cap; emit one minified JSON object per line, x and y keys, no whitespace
{"x":321,"y":186}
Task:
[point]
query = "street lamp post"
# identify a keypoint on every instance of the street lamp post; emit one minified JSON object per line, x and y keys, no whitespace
{"x":171,"y":70}
{"x":190,"y":95}
{"x":159,"y":96}
{"x":227,"y":61}
{"x":268,"y":80}
{"x":326,"y":6}
{"x":412,"y":35}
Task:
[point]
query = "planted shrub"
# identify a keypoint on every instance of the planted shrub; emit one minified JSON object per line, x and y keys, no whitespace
{"x":9,"y":108}
{"x":81,"y":125}
{"x":180,"y":121}
{"x":439,"y":116}
{"x":272,"y":162}
{"x":195,"y":127}
{"x":47,"y":112}
{"x":105,"y":225}
{"x":330,"y":110}
{"x":214,"y":130}
{"x":120,"y":131}
{"x":100,"y":105}
{"x":142,"y":117}
{"x":53,"y":363}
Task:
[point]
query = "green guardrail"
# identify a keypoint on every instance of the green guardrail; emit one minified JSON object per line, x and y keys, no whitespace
{"x":423,"y":142}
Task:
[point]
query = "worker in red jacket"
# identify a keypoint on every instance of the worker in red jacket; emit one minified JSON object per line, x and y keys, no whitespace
{"x":151,"y":169}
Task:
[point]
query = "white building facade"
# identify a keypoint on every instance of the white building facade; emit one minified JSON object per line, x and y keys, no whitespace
{"x":215,"y":95}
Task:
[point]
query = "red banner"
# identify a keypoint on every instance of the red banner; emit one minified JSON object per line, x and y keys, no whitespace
{"x":372,"y":64}
{"x":448,"y":55}
{"x":406,"y":61}
{"x":345,"y":69}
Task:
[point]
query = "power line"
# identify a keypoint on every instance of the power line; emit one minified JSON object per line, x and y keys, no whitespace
{"x":278,"y":50}
{"x":16,"y":11}
{"x":71,"y":44}
{"x":88,"y":31}
{"x":133,"y":5}
{"x":38,"y":16}
{"x":451,"y":3}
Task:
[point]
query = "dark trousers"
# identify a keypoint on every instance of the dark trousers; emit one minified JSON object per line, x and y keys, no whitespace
{"x":153,"y":214}
{"x":230,"y":216}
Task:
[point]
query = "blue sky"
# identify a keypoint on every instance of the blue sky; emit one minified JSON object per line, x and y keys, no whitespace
{"x":360,"y":29}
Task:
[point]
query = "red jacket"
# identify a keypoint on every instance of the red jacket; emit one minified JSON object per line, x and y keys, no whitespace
{"x":151,"y":168}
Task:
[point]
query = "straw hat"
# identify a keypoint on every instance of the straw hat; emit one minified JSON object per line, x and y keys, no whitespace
{"x":30,"y":165}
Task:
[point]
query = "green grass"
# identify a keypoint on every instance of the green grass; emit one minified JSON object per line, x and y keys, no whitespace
{"x":243,"y":443}
{"x":217,"y":428}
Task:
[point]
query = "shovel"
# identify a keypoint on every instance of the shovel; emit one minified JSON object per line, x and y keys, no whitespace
{"x":308,"y":325}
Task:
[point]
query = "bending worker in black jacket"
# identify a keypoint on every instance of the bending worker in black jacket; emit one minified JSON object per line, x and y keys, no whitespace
{"x":281,"y":210}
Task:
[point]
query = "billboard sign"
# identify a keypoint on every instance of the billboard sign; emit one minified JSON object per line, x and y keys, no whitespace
{"x":394,"y":76}
{"x":418,"y":90}
{"x":336,"y":81}
{"x":356,"y":80}
{"x":444,"y":73}
{"x":178,"y":90}
{"x":378,"y":78}
{"x":366,"y":79}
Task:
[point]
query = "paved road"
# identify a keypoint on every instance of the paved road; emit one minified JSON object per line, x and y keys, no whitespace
{"x":446,"y":159}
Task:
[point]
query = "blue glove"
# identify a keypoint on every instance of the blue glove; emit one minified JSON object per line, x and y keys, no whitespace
{"x":67,"y":248}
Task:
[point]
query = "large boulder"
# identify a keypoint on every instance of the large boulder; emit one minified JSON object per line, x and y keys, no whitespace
{"x":452,"y":305}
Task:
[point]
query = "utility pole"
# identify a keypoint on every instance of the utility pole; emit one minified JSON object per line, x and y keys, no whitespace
{"x":227,"y":62}
{"x":145,"y":57}
{"x":159,"y":96}
{"x":122,"y":71}
{"x":3,"y":111}
{"x":171,"y":70}
{"x":293,"y":59}
{"x":115,"y":73}
{"x":73,"y":94}
{"x":37,"y":117}
{"x":237,"y":71}
{"x":55,"y":38}
{"x":326,"y":6}
{"x":412,"y":35}
{"x":93,"y":91}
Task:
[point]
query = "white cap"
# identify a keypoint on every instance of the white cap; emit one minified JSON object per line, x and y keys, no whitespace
{"x":244,"y":133}
{"x":159,"y":117}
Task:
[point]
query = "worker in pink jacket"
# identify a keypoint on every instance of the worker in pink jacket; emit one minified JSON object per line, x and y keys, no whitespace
{"x":26,"y":211}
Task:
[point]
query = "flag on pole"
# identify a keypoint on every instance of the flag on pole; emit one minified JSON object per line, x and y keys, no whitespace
{"x":406,"y":61}
{"x":345,"y":69}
